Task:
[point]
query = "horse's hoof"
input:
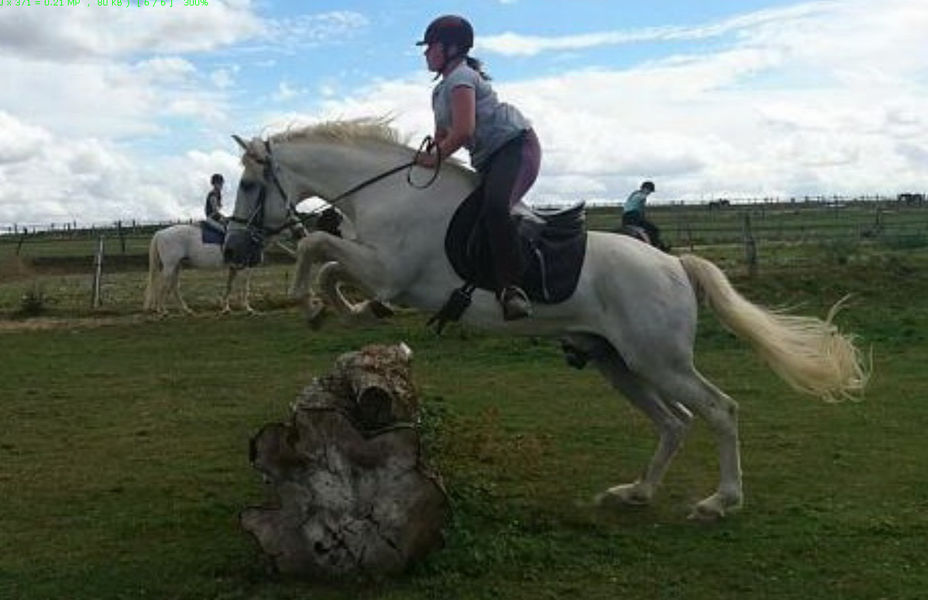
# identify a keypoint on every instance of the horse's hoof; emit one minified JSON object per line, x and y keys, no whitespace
{"x":622,"y":495}
{"x":574,"y":356}
{"x":380,"y":310}
{"x":315,"y":315}
{"x":713,"y":508}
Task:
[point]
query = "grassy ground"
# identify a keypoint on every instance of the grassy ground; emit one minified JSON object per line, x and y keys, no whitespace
{"x":124,"y":457}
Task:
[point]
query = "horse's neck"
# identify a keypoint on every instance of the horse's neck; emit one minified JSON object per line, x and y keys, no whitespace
{"x":331,"y":169}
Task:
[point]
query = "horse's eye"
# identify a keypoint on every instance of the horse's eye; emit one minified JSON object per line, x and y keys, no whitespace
{"x":248,"y":186}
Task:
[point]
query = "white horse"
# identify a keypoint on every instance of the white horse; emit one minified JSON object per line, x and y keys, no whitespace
{"x":168,"y":248}
{"x":633,"y":313}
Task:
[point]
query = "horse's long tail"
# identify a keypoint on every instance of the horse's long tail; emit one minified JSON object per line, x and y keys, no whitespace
{"x":154,"y":270}
{"x":809,"y":354}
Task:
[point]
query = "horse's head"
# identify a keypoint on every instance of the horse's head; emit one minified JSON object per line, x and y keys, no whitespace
{"x":357,"y":165}
{"x":262,"y":206}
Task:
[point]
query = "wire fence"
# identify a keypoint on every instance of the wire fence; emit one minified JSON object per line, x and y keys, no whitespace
{"x":760,"y":232}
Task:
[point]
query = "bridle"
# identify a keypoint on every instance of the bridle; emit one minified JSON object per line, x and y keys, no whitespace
{"x":254,"y":223}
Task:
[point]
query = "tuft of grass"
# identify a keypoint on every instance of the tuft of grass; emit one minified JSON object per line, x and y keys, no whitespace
{"x":125,"y":463}
{"x":33,"y":303}
{"x":840,"y":250}
{"x":910,"y":241}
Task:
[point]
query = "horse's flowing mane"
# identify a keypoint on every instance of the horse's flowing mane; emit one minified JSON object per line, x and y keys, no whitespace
{"x":363,"y":128}
{"x":376,"y":129}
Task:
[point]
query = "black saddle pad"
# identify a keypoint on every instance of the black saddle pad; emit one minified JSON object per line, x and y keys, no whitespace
{"x":552,"y":253}
{"x":211,"y":234}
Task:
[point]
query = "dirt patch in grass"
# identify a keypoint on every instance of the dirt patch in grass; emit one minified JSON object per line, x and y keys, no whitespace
{"x":44,"y":323}
{"x":14,"y":268}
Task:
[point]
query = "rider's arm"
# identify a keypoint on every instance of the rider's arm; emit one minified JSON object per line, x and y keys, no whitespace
{"x":463,"y":120}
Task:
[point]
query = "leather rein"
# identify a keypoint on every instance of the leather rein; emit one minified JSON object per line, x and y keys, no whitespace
{"x":427,"y":144}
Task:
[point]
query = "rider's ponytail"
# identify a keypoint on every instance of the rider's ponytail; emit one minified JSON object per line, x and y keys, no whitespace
{"x":477,"y":65}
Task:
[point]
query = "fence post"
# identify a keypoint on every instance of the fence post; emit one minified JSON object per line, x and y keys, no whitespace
{"x":95,"y":300}
{"x":22,"y":239}
{"x":750,"y":246}
{"x":122,"y":236}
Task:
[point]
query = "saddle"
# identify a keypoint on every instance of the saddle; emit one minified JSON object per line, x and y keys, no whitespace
{"x":552,"y":243}
{"x":635,"y":231}
{"x":210,"y":233}
{"x":641,"y":234}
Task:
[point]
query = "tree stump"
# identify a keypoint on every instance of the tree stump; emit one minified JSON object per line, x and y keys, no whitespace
{"x":350,"y":492}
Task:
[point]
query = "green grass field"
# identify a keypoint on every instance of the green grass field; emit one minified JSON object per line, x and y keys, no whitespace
{"x":125,"y":461}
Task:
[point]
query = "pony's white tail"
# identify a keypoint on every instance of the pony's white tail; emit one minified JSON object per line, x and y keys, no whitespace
{"x":809,"y":354}
{"x":154,"y":272}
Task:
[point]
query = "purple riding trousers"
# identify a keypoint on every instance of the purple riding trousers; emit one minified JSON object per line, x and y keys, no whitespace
{"x":507,"y":176}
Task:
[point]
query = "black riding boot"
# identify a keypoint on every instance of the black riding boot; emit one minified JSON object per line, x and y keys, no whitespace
{"x":505,"y":250}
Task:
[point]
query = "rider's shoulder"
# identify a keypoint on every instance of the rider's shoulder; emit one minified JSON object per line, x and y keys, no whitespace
{"x":462,"y":74}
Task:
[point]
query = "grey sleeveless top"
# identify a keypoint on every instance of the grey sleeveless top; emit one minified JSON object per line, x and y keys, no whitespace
{"x":496,"y":123}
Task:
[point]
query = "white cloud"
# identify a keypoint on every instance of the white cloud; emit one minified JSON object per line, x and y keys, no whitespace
{"x":166,"y":70}
{"x":198,"y":108}
{"x":307,"y":31}
{"x":816,"y":98}
{"x":743,"y":119}
{"x":286,"y":92}
{"x":100,"y":34}
{"x":19,"y":141}
{"x":90,"y":180}
{"x":224,"y":78}
{"x":526,"y":45}
{"x":320,"y":27}
{"x":98,"y":83}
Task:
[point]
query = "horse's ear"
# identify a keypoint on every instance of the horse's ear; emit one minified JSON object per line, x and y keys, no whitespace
{"x":240,"y":142}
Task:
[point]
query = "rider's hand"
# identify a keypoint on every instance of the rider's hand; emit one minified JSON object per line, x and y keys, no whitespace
{"x":427,"y":160}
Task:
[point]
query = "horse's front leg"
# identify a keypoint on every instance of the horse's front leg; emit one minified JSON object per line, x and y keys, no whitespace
{"x":246,"y":290}
{"x":330,"y":280}
{"x":361,"y":264}
{"x":301,"y":289}
{"x":224,"y":304}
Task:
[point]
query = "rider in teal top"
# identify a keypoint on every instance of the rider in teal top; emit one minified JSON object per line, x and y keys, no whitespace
{"x":637,"y":199}
{"x":633,"y":214}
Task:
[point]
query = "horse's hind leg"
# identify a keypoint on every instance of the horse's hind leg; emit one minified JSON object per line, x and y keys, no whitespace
{"x":168,"y":281}
{"x":174,"y":285}
{"x":671,"y":421}
{"x":721,"y":413}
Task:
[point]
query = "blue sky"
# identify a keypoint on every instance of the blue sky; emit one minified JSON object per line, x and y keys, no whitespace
{"x":122,"y":113}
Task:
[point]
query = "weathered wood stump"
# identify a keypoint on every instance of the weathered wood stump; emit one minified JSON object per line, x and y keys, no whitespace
{"x":350,"y":493}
